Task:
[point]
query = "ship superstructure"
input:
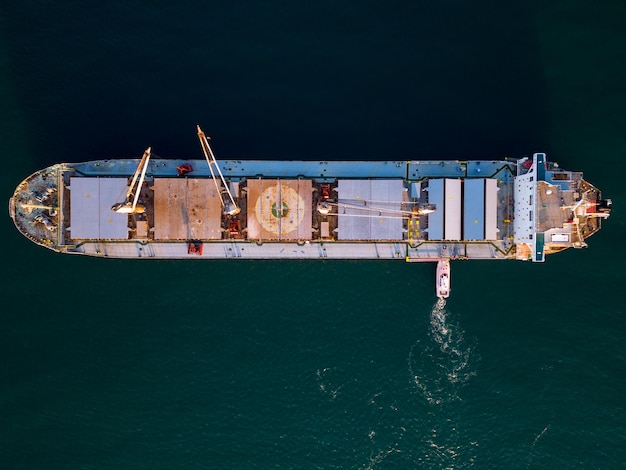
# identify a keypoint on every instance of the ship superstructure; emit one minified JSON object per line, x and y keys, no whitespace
{"x":411,"y":210}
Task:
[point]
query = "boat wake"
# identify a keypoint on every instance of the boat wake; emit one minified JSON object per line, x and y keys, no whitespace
{"x":440,"y":365}
{"x":327,"y":380}
{"x":445,"y":361}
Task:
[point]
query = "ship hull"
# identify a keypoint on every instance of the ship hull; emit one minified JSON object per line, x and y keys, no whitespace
{"x":407,"y":210}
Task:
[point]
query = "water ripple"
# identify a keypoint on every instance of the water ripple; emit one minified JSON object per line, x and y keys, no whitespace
{"x":441,"y":364}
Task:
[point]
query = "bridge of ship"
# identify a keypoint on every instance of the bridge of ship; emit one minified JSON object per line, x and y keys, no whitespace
{"x":554,"y":209}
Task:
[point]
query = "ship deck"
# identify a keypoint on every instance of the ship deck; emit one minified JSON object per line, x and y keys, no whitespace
{"x":412,"y":210}
{"x":376,"y":210}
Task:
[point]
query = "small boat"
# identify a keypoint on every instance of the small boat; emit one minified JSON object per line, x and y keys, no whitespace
{"x":443,"y":278}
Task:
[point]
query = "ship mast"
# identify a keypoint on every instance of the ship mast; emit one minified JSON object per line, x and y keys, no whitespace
{"x":230,"y":206}
{"x":128,"y":207}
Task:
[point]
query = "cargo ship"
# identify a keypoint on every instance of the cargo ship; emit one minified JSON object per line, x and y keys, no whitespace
{"x":417,"y":211}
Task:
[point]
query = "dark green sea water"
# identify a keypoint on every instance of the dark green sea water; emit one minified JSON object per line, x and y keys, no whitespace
{"x":110,"y":364}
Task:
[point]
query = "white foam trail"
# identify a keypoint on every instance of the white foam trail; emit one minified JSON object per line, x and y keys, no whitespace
{"x":379,"y":457}
{"x":326,"y":382}
{"x":445,"y":361}
{"x":540,"y":435}
{"x":532,"y":446}
{"x":440,"y":364}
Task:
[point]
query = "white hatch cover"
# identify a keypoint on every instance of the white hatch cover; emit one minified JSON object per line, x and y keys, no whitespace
{"x":91,"y":216}
{"x":370,"y":209}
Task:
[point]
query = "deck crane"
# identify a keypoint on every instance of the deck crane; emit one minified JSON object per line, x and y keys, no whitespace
{"x":128,"y":207}
{"x":229,"y":205}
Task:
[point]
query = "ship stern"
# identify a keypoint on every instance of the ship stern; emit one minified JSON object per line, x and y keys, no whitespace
{"x":36,"y":207}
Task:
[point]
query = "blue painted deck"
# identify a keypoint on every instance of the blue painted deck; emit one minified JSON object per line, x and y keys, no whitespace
{"x":474,"y":210}
{"x":319,"y":170}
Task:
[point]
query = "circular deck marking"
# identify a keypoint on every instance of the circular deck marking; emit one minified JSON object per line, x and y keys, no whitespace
{"x":282,"y":212}
{"x":279,"y":209}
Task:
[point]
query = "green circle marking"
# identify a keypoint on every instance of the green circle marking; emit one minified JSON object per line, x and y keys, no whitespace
{"x":282,"y":213}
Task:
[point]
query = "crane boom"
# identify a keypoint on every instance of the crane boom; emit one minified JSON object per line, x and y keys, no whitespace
{"x":128,"y":207}
{"x":230,"y":207}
